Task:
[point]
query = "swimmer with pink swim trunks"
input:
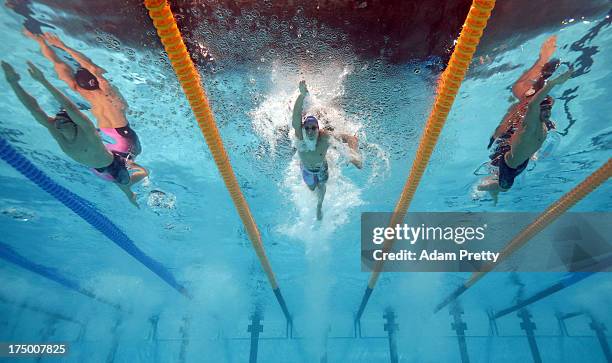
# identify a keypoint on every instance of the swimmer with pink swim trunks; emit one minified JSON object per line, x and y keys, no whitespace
{"x":107,"y":106}
{"x":125,"y":146}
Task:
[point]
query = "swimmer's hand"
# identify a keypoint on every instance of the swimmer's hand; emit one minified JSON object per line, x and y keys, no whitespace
{"x":303,"y":89}
{"x":53,"y":40}
{"x":132,"y":198}
{"x":9,"y":73}
{"x":548,"y":47}
{"x":35,"y":72}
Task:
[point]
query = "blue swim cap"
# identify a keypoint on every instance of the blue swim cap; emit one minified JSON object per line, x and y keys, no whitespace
{"x":310,"y":120}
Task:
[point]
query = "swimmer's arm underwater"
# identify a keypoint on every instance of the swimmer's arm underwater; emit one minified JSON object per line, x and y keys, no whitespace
{"x":81,"y":58}
{"x":353,"y":144}
{"x":527,"y":79}
{"x":296,"y":120}
{"x":26,"y":99}
{"x":350,"y":140}
{"x":63,"y":70}
{"x":73,"y":111}
{"x":533,"y":110}
{"x":140,"y":173}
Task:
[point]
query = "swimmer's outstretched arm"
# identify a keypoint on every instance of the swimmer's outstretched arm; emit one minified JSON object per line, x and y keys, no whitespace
{"x":526,"y":81}
{"x":296,"y":119}
{"x":63,"y":70}
{"x":81,"y":58}
{"x":533,"y":111}
{"x":73,"y":111}
{"x":84,"y":62}
{"x":26,"y":99}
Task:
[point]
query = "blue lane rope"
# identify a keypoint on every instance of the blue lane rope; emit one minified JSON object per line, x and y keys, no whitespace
{"x":567,"y":281}
{"x":7,"y":253}
{"x":87,"y":211}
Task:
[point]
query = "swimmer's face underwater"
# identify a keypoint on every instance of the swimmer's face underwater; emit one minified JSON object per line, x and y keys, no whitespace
{"x":546,"y":109}
{"x":311,"y":128}
{"x":545,"y":113}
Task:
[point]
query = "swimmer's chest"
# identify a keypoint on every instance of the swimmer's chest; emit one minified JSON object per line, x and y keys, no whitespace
{"x":317,"y":154}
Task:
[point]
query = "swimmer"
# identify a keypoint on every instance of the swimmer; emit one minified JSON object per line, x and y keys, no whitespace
{"x":107,"y":104}
{"x":76,"y":134}
{"x":312,"y":143}
{"x":532,"y":126}
{"x":528,"y":85}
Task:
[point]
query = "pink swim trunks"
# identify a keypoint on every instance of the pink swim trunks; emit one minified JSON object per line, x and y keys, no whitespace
{"x":123,"y":140}
{"x":123,"y":143}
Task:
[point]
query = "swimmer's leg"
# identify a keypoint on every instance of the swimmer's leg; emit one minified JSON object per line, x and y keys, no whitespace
{"x":320,"y":196}
{"x":491,"y":185}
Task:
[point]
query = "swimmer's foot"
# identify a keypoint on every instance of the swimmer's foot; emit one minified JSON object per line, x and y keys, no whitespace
{"x":129,"y":193}
{"x":495,"y":195}
{"x":319,"y":213}
{"x":132,"y":198}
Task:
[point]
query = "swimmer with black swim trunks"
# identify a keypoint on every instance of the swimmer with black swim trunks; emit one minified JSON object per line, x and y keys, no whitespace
{"x":524,"y":138}
{"x":312,"y":145}
{"x":76,"y":134}
{"x":530,"y":82}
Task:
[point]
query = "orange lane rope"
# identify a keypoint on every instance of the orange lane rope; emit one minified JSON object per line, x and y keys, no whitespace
{"x":556,"y":209}
{"x":448,"y":87}
{"x":548,"y":216}
{"x":447,"y":90}
{"x":189,"y":78}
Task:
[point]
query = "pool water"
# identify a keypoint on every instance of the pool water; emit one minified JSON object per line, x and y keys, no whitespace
{"x":188,"y":223}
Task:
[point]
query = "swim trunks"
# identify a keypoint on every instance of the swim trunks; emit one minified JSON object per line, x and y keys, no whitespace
{"x":115,"y":171}
{"x":507,"y":174}
{"x":123,"y":141}
{"x":312,"y":177}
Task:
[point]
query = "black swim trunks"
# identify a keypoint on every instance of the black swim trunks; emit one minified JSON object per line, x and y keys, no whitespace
{"x":117,"y":170}
{"x":507,"y":174}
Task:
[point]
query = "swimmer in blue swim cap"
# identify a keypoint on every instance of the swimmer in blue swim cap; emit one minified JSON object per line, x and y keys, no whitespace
{"x":312,"y":144}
